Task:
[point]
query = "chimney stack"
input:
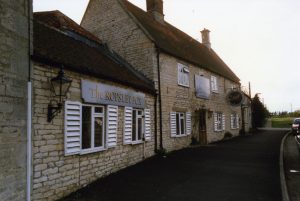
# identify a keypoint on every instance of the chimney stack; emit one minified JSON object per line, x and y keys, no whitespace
{"x":156,"y":9}
{"x":205,"y":38}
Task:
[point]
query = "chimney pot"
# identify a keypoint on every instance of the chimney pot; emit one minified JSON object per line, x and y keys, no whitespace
{"x":156,"y":9}
{"x":206,"y":38}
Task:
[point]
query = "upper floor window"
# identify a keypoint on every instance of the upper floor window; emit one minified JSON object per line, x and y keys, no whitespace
{"x":214,"y":84}
{"x":183,"y":75}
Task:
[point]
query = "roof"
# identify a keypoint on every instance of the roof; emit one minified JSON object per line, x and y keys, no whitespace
{"x":57,"y":40}
{"x":178,"y":44}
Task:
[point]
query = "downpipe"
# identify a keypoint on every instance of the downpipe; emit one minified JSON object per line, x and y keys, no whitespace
{"x":29,"y":141}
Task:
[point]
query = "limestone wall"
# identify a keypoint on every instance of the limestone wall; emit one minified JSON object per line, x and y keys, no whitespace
{"x":14,"y":65}
{"x":56,"y":175}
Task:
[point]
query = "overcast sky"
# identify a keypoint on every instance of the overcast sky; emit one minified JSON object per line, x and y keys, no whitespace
{"x":258,"y":39}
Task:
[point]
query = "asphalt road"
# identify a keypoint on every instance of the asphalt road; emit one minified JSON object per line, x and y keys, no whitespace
{"x":242,"y":169}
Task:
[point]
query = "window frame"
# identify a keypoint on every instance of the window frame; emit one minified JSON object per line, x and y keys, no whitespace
{"x":137,"y":117}
{"x":219,"y":121}
{"x":214,"y":84}
{"x":94,"y":115}
{"x":235,"y":121}
{"x":183,"y":70}
{"x":181,"y":116}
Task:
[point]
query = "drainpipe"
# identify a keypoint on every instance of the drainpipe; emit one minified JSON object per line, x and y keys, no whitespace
{"x":155,"y":122}
{"x":159,"y":100}
{"x":29,"y":107}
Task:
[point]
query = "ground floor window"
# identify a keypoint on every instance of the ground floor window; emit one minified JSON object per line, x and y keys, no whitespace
{"x":93,"y":124}
{"x":234,"y":121}
{"x":89,"y":128}
{"x":180,"y":124}
{"x":137,"y":125}
{"x":219,"y":121}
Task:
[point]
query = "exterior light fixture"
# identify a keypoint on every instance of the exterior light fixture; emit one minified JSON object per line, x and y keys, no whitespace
{"x":60,"y":86}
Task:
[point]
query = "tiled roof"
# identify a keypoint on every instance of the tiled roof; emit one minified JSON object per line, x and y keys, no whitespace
{"x":58,"y":40}
{"x":178,"y":44}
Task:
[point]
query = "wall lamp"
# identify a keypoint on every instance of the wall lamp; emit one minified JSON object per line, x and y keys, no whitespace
{"x":60,"y":86}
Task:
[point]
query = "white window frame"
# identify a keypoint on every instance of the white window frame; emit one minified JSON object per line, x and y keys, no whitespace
{"x":183,"y":76}
{"x":141,"y":116}
{"x":128,"y":126}
{"x":219,"y":121}
{"x":181,"y":116}
{"x":93,"y":116}
{"x":234,"y":121}
{"x":187,"y":121}
{"x":214,"y":84}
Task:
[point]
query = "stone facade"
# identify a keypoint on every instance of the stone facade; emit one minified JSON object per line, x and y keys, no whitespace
{"x":110,"y":21}
{"x":14,"y":65}
{"x":56,"y":175}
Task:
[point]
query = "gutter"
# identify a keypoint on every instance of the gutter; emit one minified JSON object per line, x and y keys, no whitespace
{"x":29,"y":108}
{"x":159,"y":100}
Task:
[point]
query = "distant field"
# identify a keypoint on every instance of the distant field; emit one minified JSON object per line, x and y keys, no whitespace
{"x":282,"y":122}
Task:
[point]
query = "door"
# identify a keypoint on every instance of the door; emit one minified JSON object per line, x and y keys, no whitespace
{"x":202,"y":127}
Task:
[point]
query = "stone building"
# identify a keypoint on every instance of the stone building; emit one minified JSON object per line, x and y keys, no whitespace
{"x":191,"y":79}
{"x":15,"y":46}
{"x":107,"y":119}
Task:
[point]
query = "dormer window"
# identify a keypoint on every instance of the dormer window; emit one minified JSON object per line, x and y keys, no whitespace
{"x":183,"y":75}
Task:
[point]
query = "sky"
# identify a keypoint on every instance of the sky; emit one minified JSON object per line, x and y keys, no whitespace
{"x":258,"y":39}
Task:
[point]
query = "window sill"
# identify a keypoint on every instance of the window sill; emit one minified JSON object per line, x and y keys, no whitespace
{"x":215,"y":92}
{"x":234,"y":128}
{"x":185,"y":86}
{"x":90,"y":151}
{"x":137,"y":142}
{"x":179,"y":136}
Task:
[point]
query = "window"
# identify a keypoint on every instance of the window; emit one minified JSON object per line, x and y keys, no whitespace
{"x":89,"y":128}
{"x":183,"y":75}
{"x":219,"y":121}
{"x":180,"y":124}
{"x":234,"y":121}
{"x":214,"y":84}
{"x":92,"y":128}
{"x":137,"y":125}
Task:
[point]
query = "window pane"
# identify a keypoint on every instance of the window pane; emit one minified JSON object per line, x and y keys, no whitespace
{"x":86,"y":127}
{"x":134,"y":125}
{"x":140,"y":126}
{"x":98,"y":131}
{"x":182,"y":126}
{"x":177,"y":124}
{"x":98,"y":110}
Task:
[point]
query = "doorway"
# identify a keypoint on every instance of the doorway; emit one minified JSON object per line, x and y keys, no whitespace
{"x":202,"y":127}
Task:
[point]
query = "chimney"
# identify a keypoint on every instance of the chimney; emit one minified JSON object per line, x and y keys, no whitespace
{"x":205,"y":38}
{"x":156,"y":9}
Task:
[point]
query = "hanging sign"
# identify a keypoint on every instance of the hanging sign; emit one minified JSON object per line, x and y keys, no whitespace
{"x":235,"y":98}
{"x":99,"y":93}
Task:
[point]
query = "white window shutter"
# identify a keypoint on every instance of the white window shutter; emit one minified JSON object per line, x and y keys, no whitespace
{"x":231,"y":121}
{"x":216,"y":121}
{"x":112,"y":126}
{"x":72,"y":128}
{"x":223,"y":122}
{"x":173,"y":124}
{"x":188,"y":123}
{"x":238,"y":121}
{"x":127,"y":138}
{"x":147,"y":125}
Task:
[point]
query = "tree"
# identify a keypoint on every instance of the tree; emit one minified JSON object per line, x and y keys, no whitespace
{"x":259,"y":112}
